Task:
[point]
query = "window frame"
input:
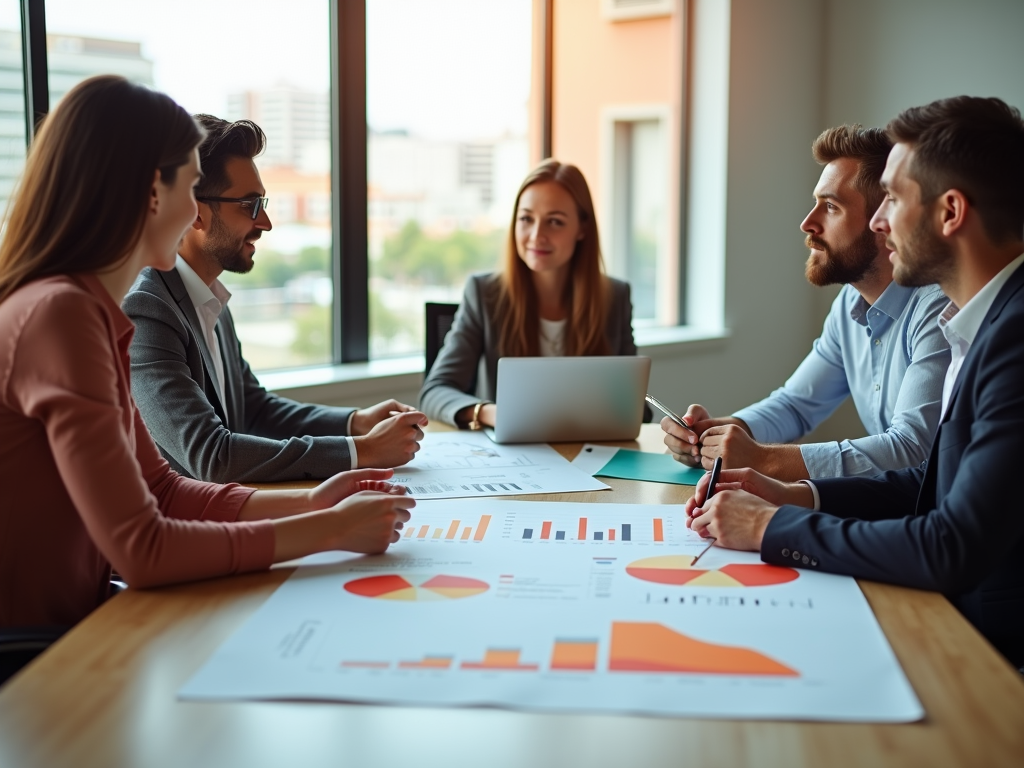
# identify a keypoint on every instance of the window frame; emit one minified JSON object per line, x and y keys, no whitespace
{"x":349,"y":211}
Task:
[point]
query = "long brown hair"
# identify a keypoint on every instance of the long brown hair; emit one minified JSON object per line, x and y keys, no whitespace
{"x":81,"y":204}
{"x":587,"y":290}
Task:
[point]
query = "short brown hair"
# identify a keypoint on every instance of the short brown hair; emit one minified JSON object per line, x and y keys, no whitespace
{"x":82,"y":200}
{"x":225,"y":140}
{"x":868,"y":146}
{"x":974,"y":145}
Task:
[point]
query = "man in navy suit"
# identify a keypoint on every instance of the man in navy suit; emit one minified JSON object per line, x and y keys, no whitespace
{"x":953,"y":215}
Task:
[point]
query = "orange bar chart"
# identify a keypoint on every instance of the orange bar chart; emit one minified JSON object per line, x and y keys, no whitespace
{"x":654,"y":648}
{"x":428,"y":662}
{"x":611,"y":534}
{"x":574,"y":655}
{"x":581,"y":535}
{"x":453,"y":529}
{"x":466,"y":533}
{"x":408,"y":532}
{"x":423,"y":532}
{"x":481,"y":528}
{"x":506,"y":659}
{"x":545,"y":530}
{"x":659,"y":531}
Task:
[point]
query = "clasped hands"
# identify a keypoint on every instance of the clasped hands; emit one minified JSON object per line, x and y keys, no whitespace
{"x":743,"y":504}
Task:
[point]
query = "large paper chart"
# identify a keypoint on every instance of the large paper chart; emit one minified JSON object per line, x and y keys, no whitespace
{"x":618,"y":623}
{"x":465,"y":464}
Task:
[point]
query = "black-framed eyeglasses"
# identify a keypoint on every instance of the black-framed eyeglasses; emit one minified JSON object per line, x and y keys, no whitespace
{"x":257,"y":204}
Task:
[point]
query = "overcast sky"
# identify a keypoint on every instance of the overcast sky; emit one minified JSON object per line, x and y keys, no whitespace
{"x":439,"y":68}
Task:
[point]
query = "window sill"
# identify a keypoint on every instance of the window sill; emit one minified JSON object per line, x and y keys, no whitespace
{"x":370,"y":381}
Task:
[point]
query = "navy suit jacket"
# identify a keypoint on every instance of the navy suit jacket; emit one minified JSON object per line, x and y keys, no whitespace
{"x":955,"y":524}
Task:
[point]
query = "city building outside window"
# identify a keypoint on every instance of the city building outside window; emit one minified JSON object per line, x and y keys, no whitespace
{"x":270,"y":64}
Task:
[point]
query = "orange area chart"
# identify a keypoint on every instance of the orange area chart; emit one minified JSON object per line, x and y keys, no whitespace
{"x":652,"y":647}
{"x":393,"y":586}
{"x":675,"y":569}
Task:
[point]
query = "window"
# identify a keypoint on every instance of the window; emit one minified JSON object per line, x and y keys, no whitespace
{"x":448,"y":89}
{"x":617,"y":113}
{"x":634,"y":210}
{"x":12,"y":100}
{"x":270,"y":64}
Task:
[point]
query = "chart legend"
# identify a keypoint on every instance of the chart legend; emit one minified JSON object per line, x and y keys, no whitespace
{"x":676,"y":570}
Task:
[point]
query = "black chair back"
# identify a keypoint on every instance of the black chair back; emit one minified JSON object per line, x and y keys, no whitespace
{"x":19,"y":645}
{"x":439,"y":321}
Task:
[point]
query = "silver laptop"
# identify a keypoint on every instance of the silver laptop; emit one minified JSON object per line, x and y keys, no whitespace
{"x":562,"y":399}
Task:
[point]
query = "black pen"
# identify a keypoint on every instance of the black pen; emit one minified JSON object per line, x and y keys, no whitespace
{"x":716,"y":470}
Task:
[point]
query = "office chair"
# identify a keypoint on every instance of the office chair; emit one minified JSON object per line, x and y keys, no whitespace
{"x":19,"y":645}
{"x":439,"y":321}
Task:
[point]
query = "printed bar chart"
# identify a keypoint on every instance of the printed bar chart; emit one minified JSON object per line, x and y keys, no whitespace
{"x":574,"y":655}
{"x":506,"y":659}
{"x":449,"y":530}
{"x":654,"y":648}
{"x":623,"y":532}
{"x":428,"y":662}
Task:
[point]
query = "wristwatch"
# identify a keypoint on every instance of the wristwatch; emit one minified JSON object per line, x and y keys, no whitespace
{"x":475,"y":424}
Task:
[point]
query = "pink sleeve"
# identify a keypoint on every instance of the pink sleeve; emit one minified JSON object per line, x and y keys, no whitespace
{"x":67,"y":376}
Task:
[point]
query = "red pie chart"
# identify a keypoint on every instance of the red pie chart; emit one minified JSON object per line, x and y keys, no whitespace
{"x":676,"y":570}
{"x":393,"y":586}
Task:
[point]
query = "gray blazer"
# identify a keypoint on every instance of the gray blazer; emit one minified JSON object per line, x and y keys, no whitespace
{"x":253,"y":437}
{"x":466,"y":369}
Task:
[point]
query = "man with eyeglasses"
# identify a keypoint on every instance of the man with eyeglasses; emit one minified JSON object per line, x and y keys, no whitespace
{"x":204,"y":407}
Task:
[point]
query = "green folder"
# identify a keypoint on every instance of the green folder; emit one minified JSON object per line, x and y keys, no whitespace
{"x":653,"y":467}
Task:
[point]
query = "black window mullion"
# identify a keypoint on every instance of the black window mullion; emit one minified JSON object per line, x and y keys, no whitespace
{"x":33,"y":59}
{"x":350,"y":312}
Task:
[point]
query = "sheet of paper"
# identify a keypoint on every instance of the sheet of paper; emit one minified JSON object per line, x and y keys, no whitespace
{"x":458,"y":464}
{"x":604,"y":461}
{"x":566,"y":607}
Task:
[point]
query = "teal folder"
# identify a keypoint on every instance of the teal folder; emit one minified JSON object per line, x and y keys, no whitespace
{"x":653,"y":467}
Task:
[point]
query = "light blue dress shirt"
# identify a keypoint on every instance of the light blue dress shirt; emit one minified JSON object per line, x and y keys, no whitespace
{"x":891,"y":357}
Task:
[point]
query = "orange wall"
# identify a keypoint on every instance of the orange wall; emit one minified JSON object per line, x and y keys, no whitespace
{"x":599,"y":63}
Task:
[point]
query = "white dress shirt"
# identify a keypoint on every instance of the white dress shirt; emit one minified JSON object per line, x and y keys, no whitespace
{"x":210,"y":301}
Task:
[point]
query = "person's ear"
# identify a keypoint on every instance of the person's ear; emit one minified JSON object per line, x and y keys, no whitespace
{"x":154,"y":194}
{"x":953,"y":207}
{"x":199,"y":224}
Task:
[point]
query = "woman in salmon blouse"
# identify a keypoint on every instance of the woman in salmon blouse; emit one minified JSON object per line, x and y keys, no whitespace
{"x":108,"y":190}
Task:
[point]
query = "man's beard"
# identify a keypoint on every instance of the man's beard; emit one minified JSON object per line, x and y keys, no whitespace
{"x":923,"y":259}
{"x":227,"y":249}
{"x":842,"y":265}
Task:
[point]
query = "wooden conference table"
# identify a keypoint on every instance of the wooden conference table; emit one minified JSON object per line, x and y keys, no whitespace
{"x":105,"y":696}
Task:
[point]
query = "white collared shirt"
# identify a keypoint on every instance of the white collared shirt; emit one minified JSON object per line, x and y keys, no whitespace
{"x":209,"y":301}
{"x":961,"y":325}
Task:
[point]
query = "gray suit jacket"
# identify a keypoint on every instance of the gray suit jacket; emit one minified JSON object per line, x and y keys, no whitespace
{"x":466,"y":369}
{"x":253,"y":437}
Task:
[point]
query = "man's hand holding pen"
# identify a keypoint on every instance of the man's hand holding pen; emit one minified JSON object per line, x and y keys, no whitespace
{"x":742,"y":505}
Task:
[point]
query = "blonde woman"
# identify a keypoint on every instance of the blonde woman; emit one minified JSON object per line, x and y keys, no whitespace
{"x":551,"y":298}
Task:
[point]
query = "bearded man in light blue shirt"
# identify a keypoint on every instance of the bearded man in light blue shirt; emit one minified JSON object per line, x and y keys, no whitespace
{"x":880,"y":345}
